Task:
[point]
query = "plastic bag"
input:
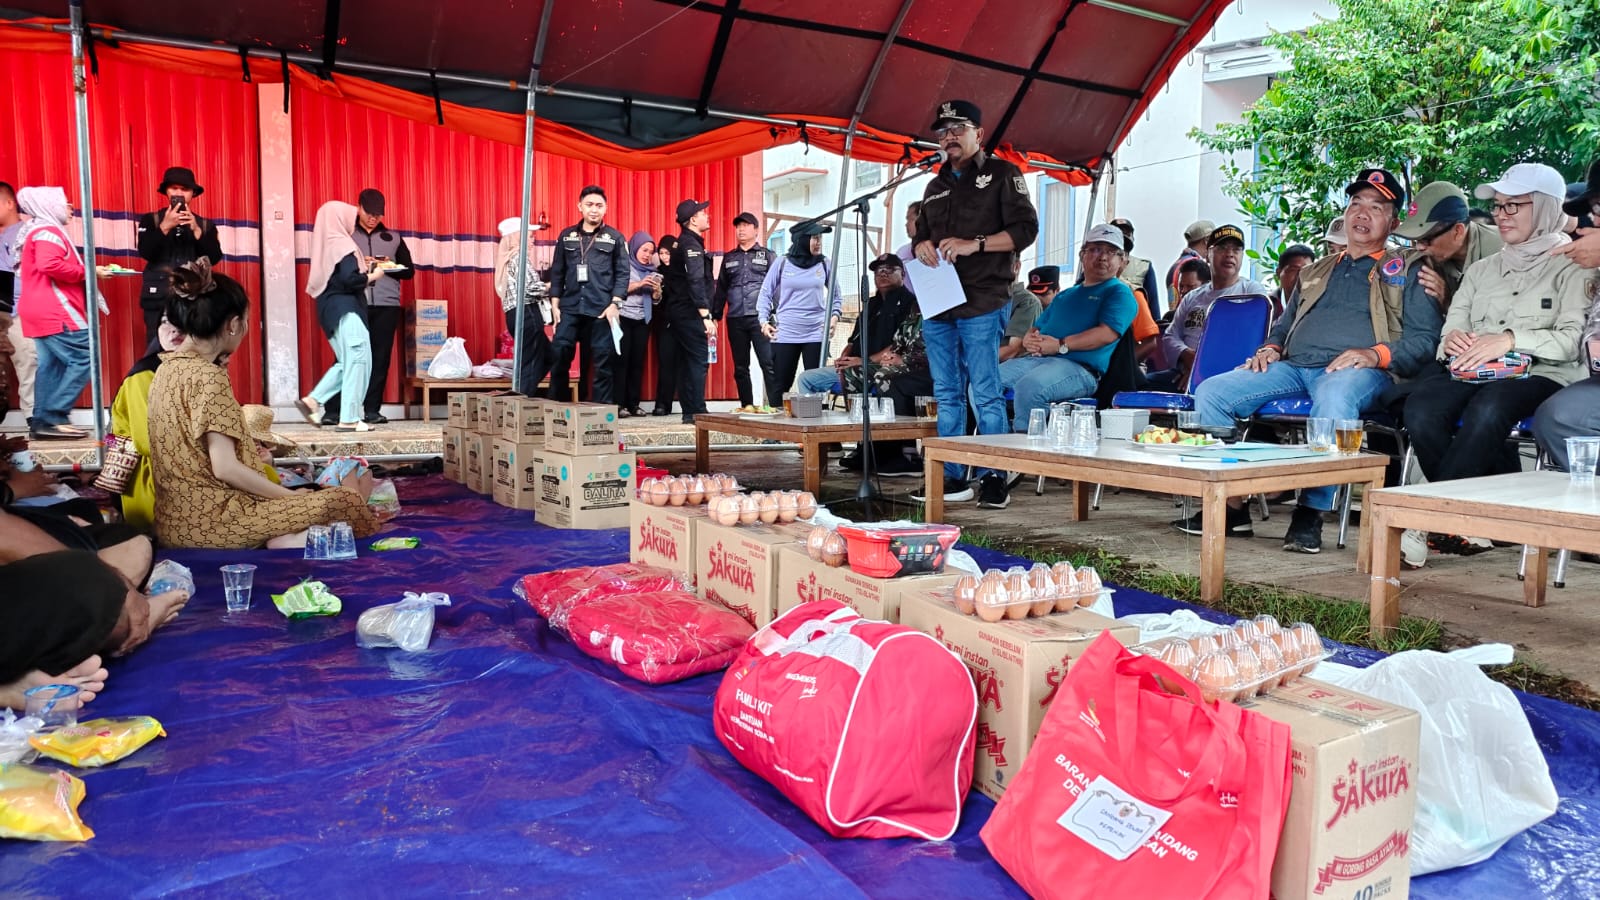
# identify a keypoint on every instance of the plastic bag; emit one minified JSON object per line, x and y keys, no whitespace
{"x":555,"y":594}
{"x":384,"y":498}
{"x":98,"y":742}
{"x":1180,"y":623}
{"x":14,"y":734}
{"x":407,"y":624}
{"x":1481,"y":776}
{"x":659,"y":636}
{"x":308,"y":598}
{"x":170,"y":576}
{"x":452,"y":361}
{"x":341,"y":468}
{"x":38,"y":804}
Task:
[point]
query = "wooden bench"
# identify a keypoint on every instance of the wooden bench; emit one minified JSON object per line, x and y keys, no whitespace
{"x":426,"y":386}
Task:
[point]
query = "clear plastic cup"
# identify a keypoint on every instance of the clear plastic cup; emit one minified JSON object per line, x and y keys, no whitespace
{"x":1582,"y":454}
{"x":342,"y":543}
{"x":1038,"y":423}
{"x":237,"y":582}
{"x":319,"y":540}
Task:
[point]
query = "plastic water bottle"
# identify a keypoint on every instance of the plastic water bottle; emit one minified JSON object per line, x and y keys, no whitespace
{"x":711,"y":347}
{"x":170,"y":576}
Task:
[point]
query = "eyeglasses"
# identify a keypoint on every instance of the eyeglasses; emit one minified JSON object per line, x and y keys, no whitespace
{"x":1510,"y":208}
{"x":1099,"y":248}
{"x":947,"y":130}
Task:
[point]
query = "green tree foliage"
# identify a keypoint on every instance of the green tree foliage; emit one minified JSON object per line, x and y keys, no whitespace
{"x":1438,"y":89}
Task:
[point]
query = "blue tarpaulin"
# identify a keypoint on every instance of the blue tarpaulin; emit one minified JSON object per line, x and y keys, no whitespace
{"x":502,"y":760}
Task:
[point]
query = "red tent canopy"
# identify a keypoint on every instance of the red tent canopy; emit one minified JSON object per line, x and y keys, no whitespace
{"x":661,"y":83}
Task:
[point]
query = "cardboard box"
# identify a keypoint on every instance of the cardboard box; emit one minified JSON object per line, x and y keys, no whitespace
{"x":522,"y":419}
{"x":1353,"y":793}
{"x":1017,"y":663}
{"x":515,"y":481}
{"x":580,"y":429}
{"x":737,"y":565}
{"x":477,"y":468}
{"x":454,"y":444}
{"x":584,"y":492}
{"x":458,"y":409}
{"x":663,"y":535}
{"x":802,"y":579}
{"x":480,"y":415}
{"x":434,"y":313}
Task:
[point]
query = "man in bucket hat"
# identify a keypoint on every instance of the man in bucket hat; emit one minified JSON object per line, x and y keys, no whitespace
{"x":169,"y":237}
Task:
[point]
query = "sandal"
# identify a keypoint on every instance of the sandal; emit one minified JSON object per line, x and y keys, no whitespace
{"x":56,"y":433}
{"x":311,"y":410}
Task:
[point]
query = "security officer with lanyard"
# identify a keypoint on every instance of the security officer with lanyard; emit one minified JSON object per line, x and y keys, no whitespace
{"x":588,"y":279}
{"x":976,"y":215}
{"x":744,"y":268}
{"x":686,"y":302}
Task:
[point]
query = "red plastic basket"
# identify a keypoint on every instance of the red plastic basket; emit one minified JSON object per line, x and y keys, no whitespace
{"x":889,"y":551}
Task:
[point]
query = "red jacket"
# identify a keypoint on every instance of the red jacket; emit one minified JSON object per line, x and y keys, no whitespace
{"x":51,"y":273}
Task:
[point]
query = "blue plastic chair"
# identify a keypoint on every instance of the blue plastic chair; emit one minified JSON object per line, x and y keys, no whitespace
{"x":1235,"y":327}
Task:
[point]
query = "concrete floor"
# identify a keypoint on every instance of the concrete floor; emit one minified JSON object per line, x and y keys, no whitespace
{"x":1478,"y":599}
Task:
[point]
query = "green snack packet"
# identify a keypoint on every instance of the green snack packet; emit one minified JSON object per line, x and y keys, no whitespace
{"x":397,"y":543}
{"x":307,"y":599}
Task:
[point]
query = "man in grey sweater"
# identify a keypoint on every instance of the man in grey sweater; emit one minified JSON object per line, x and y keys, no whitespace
{"x":389,"y":250}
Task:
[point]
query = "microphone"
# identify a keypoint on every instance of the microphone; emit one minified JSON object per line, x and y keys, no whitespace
{"x":933,"y":159}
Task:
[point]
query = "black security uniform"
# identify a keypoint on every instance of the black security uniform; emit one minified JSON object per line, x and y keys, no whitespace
{"x":164,"y":252}
{"x":982,"y":199}
{"x":686,"y":302}
{"x":738,"y":286}
{"x":589,"y":272}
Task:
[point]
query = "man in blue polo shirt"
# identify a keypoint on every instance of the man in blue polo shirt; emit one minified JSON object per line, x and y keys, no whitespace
{"x":1071,"y":342}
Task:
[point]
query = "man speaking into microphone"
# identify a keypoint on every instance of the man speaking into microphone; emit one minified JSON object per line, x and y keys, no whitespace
{"x":976,"y":215}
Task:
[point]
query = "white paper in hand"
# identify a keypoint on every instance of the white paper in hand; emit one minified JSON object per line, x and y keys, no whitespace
{"x":616,"y":332}
{"x":938,"y":287}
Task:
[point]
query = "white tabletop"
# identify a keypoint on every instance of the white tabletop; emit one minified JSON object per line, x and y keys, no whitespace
{"x":1548,"y":491}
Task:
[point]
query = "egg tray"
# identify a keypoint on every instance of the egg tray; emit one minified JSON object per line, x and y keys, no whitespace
{"x":1019,"y":594}
{"x":1233,"y":682}
{"x":1029,"y":607}
{"x":659,"y":492}
{"x":754,"y":509}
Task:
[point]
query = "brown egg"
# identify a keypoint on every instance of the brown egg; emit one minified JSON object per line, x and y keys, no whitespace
{"x":1043,"y":585}
{"x":1021,"y":596}
{"x":725,"y":510}
{"x":769,"y":509}
{"x":1216,"y":677}
{"x":1246,"y":630}
{"x":642,"y":492}
{"x":1205,"y":643}
{"x":660,"y":493}
{"x":676,"y":492}
{"x":965,"y":593}
{"x":990,"y":600}
{"x":1089,"y":586}
{"x":1179,"y":654}
{"x":1266,"y":626}
{"x":731,"y":484}
{"x":805,"y":504}
{"x":835,"y":549}
{"x":1228,"y":640}
{"x":788,"y":507}
{"x":1066,"y":585}
{"x":1275,"y":670}
{"x":814,"y":542}
{"x":749,"y":509}
{"x":1289,"y":645}
{"x":1249,"y":666}
{"x":696,"y":491}
{"x":1311,"y":650}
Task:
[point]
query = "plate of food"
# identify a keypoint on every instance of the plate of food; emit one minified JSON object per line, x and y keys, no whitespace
{"x":1171,"y":440}
{"x":112,"y":269}
{"x":388,"y":265}
{"x":758,"y":411}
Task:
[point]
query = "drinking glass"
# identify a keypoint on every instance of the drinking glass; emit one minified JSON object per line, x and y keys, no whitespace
{"x":1085,"y":433}
{"x":1188,"y":419}
{"x":237,"y":582}
{"x":1348,"y":433}
{"x":1038,"y":422}
{"x":1582,"y":454}
{"x":1060,"y":427}
{"x":929,"y":407}
{"x":1319,"y":435}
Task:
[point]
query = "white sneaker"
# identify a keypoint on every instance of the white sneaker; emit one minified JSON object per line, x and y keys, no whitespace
{"x":1413,"y":548}
{"x":962,"y":494}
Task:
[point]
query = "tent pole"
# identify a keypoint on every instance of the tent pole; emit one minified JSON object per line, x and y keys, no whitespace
{"x":527,"y":205}
{"x":80,"y":90}
{"x":1094,"y":194}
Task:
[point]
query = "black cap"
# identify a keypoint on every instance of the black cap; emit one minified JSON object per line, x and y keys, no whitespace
{"x":1125,"y":225}
{"x":182,"y":177}
{"x":1381,"y":180}
{"x":1225,"y":233}
{"x":371,"y":201}
{"x":957,"y":112}
{"x":747,"y":217}
{"x":810,"y":228}
{"x":1044,"y":279}
{"x":886,"y":261}
{"x":688,"y":208}
{"x":1579,"y":205}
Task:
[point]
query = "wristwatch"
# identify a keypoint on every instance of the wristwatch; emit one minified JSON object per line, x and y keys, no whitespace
{"x":982,"y":239}
{"x":1061,"y":349}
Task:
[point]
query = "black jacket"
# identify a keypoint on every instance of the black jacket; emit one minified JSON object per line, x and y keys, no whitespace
{"x":346,"y":293}
{"x":884,"y":314}
{"x":985,"y":198}
{"x":739,"y":281}
{"x":688,"y":279}
{"x":605,"y":251}
{"x":161,"y":252}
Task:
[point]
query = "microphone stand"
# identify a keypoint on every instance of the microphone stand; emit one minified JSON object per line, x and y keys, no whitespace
{"x":867,"y":492}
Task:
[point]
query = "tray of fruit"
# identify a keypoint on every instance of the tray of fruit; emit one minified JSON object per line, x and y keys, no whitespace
{"x":758,"y":411}
{"x":1172,"y":440}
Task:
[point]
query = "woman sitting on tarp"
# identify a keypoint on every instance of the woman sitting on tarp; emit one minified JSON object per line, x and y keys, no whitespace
{"x":210,"y":491}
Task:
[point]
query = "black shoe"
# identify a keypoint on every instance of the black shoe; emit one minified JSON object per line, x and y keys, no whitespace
{"x":992,"y":492}
{"x":1239,"y":523}
{"x":688,"y":420}
{"x":329,"y":419}
{"x":1305,"y":531}
{"x":897,"y":466}
{"x":851,"y":462}
{"x":376,"y":419}
{"x":658,"y":411}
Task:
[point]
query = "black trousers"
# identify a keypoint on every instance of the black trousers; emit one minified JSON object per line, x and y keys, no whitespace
{"x":666,"y":359}
{"x":744,"y":332}
{"x":628,"y":378}
{"x":533,"y":357}
{"x":688,"y":334}
{"x":60,"y":609}
{"x":594,"y":333}
{"x":904,"y":389}
{"x":1485,"y":412}
{"x":152,"y":329}
{"x":786,"y":359}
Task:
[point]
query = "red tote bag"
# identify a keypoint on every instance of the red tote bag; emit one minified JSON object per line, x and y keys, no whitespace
{"x":1133,"y":787}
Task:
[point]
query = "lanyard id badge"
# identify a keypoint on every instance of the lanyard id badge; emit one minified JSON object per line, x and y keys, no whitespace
{"x":583,"y":273}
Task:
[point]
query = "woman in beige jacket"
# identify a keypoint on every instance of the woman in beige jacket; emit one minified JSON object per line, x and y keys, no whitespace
{"x":1520,"y":300}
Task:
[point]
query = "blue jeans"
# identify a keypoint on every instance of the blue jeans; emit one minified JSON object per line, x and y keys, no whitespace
{"x":1224,"y":399}
{"x":963,"y":353}
{"x":348,"y":376}
{"x":818,"y":381}
{"x":63,"y":371}
{"x":1041,"y":380}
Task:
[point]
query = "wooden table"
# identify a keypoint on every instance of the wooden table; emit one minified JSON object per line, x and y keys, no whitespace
{"x":811,"y":434}
{"x":1123,"y":464}
{"x":1541,"y":510}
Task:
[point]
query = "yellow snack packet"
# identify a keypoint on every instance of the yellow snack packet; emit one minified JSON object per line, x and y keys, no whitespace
{"x":97,"y":742}
{"x":39,"y":804}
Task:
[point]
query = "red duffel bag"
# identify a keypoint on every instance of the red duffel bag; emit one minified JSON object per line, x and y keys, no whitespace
{"x":866,"y":726}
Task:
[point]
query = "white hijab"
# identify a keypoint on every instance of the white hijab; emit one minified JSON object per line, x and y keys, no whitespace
{"x":47,"y":206}
{"x":331,"y":242}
